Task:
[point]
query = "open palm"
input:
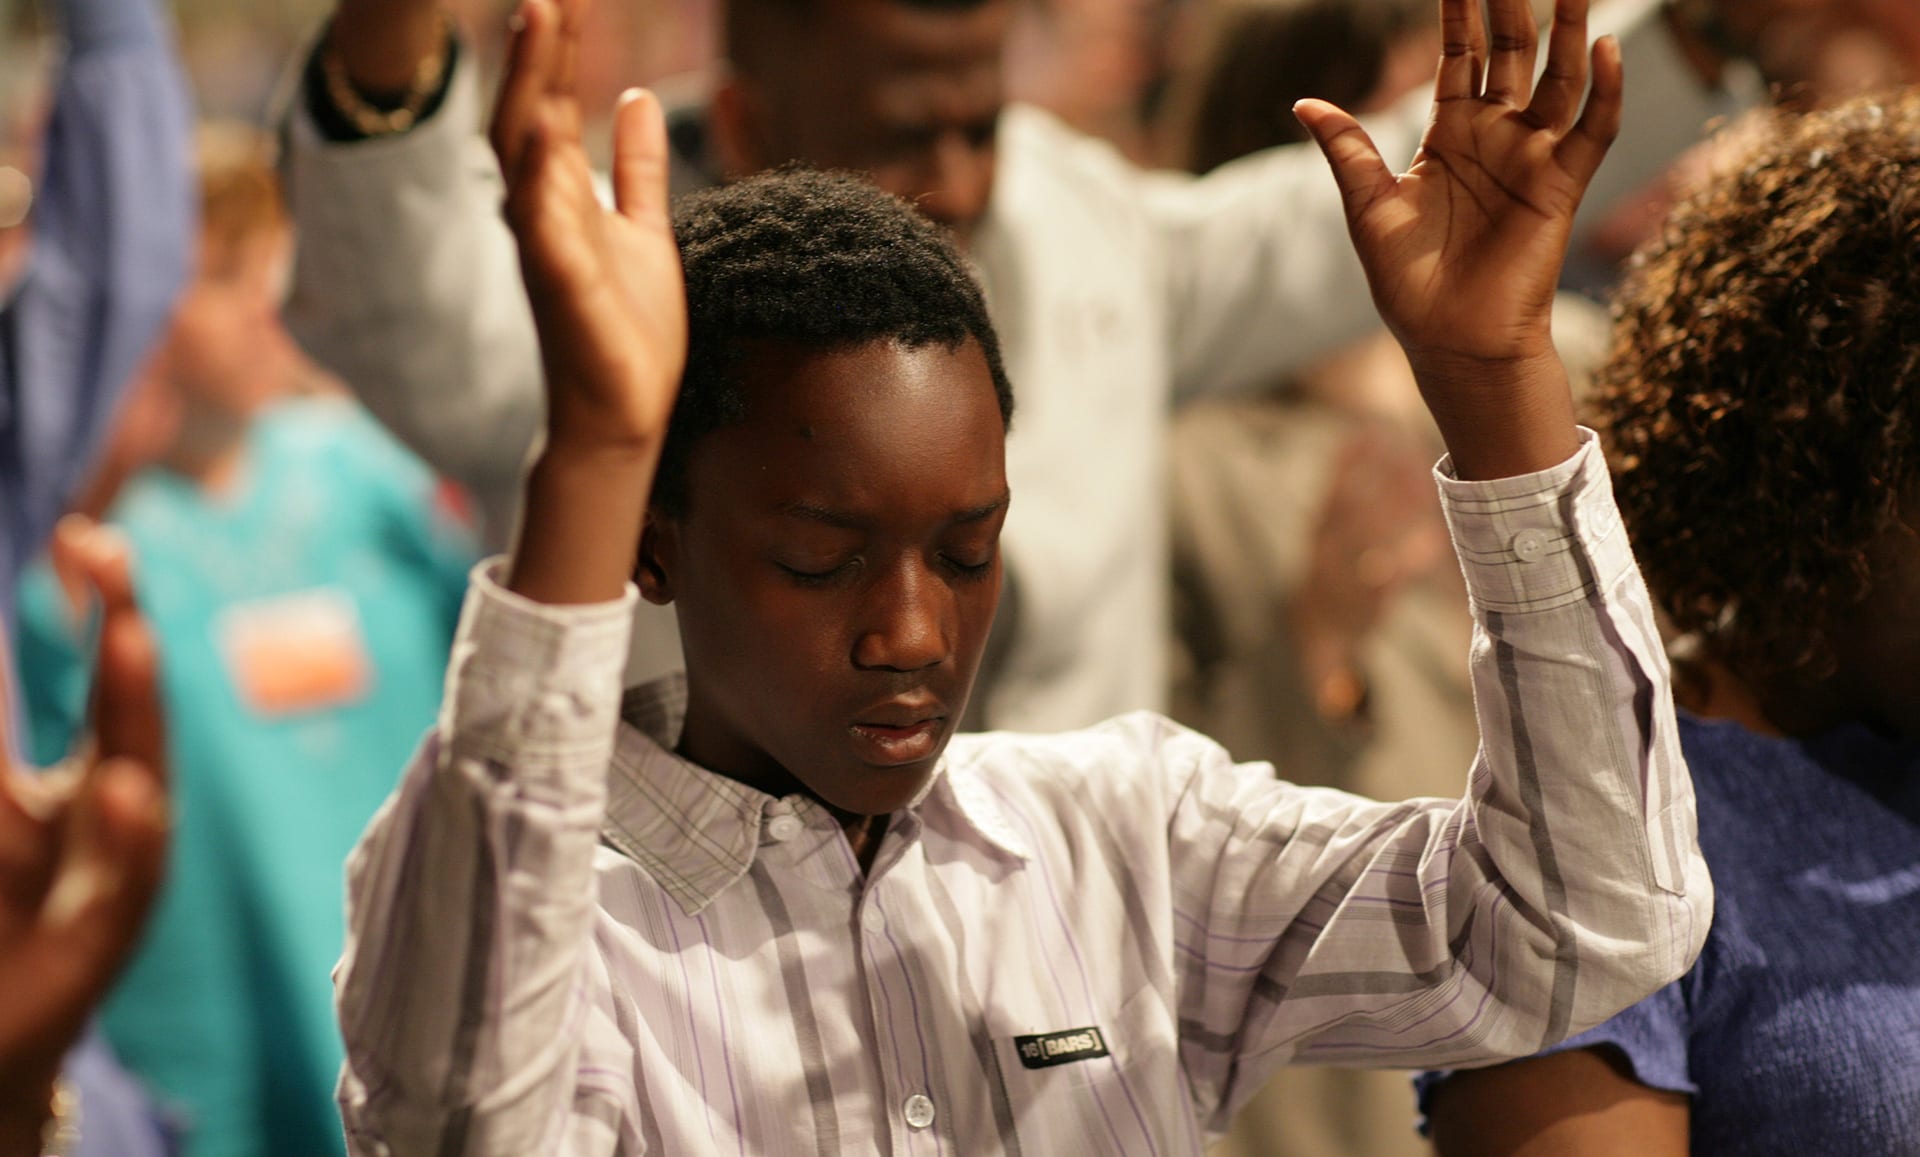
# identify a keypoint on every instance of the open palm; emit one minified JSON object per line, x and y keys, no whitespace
{"x":1464,"y":249}
{"x":605,"y":285}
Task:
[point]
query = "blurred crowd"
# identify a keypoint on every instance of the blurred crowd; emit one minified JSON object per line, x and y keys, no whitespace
{"x":305,"y":449}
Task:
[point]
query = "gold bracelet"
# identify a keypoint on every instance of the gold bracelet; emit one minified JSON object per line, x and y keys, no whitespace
{"x":374,"y":122}
{"x":61,"y":1137}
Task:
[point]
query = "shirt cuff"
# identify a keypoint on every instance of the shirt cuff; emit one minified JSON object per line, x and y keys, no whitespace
{"x":530,"y":683}
{"x":1537,"y":541}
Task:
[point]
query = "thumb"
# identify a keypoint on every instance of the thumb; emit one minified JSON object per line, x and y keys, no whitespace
{"x":640,"y":166}
{"x":1359,"y":170}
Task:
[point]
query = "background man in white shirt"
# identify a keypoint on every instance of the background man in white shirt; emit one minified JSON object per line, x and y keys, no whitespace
{"x":1115,"y":291}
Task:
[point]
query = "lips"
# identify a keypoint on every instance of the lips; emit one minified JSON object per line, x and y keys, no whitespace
{"x":899,"y":731}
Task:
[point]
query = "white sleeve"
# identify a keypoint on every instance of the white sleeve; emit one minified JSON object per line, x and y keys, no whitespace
{"x":408,"y":286}
{"x":464,"y":988}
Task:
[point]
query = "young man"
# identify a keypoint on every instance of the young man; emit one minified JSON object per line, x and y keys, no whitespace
{"x":772,"y":909}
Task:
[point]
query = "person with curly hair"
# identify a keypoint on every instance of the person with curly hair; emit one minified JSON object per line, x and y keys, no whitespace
{"x":1762,"y":408}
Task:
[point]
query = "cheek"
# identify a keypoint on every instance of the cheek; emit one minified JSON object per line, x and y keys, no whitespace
{"x":740,"y":613}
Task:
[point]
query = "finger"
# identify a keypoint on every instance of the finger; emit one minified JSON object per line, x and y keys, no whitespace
{"x":572,"y":18}
{"x":530,"y":64}
{"x":1359,"y":170}
{"x":640,"y":165}
{"x":1581,"y":151}
{"x":128,"y":719}
{"x":110,"y":868}
{"x":126,"y":704}
{"x":1463,"y":51}
{"x":1557,"y":98}
{"x":1515,"y":43}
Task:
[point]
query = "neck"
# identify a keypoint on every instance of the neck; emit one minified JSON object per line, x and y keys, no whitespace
{"x":702,"y":744}
{"x":1789,"y":707}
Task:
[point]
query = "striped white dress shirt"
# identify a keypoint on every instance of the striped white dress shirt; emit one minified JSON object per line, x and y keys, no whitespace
{"x":564,"y":939}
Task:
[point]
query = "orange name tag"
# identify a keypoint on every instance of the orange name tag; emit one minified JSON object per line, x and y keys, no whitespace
{"x":295,"y":653}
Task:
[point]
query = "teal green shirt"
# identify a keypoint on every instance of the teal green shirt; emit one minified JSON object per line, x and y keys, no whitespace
{"x":304,"y":621}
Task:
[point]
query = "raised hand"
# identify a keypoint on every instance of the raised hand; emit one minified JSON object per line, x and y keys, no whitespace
{"x":605,"y":285}
{"x":81,"y":851}
{"x":1463,"y":250}
{"x":609,"y":303}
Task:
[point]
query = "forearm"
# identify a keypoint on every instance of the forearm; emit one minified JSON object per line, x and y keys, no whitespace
{"x":407,"y":285}
{"x":471,"y":898}
{"x":584,"y":511}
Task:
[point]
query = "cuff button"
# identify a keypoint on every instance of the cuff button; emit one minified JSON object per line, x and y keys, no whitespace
{"x":1529,"y":544}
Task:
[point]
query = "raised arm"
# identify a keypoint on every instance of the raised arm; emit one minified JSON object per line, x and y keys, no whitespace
{"x":463,"y":992}
{"x":1568,"y":883}
{"x":1259,"y":284}
{"x":113,"y":228}
{"x":405,"y":284}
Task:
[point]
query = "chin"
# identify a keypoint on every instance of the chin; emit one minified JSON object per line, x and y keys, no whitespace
{"x":871,"y":791}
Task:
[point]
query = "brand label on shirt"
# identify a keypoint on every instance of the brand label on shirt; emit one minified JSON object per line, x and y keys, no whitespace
{"x":1058,"y":1048}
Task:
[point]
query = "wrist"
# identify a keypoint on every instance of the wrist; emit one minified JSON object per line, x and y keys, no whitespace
{"x":27,"y":1112}
{"x":580,"y":535}
{"x":1500,"y":417}
{"x":382,"y":44}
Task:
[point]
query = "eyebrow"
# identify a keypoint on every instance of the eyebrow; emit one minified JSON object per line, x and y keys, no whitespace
{"x":814,"y":512}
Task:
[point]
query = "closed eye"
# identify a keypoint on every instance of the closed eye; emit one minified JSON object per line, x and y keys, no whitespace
{"x":969,"y":570}
{"x":818,"y":578}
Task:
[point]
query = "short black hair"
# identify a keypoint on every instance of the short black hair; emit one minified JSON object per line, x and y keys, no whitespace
{"x":1762,"y":402}
{"x":820,"y":260}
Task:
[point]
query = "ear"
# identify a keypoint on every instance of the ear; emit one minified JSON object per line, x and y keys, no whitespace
{"x":659,"y":550}
{"x":736,"y":118}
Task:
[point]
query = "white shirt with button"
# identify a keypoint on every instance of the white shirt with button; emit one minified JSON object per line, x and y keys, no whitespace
{"x":565,"y":940}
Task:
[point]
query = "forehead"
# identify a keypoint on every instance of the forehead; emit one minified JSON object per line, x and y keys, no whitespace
{"x":887,"y":431}
{"x":913,"y":63}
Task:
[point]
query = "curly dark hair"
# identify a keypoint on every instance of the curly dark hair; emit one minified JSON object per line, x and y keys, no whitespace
{"x":820,"y":260}
{"x":1761,"y":399}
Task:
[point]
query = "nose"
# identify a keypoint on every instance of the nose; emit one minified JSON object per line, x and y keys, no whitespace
{"x":958,"y":181}
{"x":909,"y":621}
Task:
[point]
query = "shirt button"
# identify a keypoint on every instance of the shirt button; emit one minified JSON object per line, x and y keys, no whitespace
{"x":783,"y":828}
{"x":919,"y":1111}
{"x":1528,"y":545}
{"x":872,"y":919}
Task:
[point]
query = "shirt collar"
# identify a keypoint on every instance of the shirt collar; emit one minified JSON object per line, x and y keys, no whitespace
{"x":696,"y":832}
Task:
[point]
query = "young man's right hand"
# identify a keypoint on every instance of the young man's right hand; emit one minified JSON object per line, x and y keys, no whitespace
{"x":610,"y":305}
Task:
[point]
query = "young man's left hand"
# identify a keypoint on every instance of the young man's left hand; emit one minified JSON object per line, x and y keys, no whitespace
{"x":1463,"y":251}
